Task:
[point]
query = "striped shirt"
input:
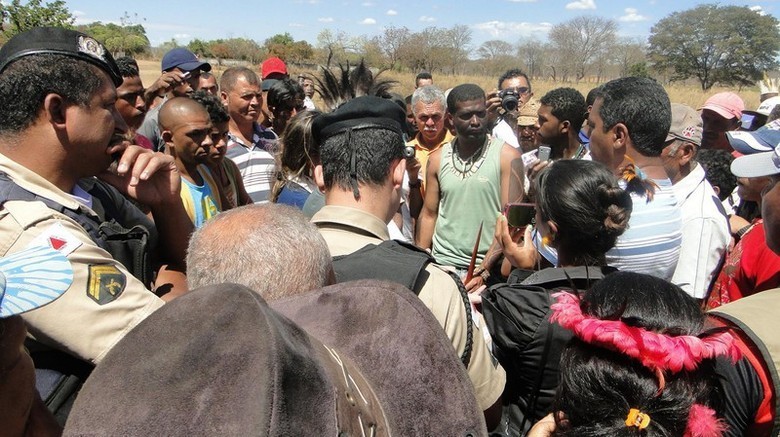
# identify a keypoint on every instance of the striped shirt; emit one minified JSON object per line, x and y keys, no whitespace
{"x":651,"y":244}
{"x":256,"y":162}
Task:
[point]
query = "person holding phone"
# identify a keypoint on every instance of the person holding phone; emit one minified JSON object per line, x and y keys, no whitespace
{"x":580,"y":210}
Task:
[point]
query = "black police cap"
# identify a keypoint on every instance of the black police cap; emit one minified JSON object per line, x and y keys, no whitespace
{"x":360,"y":113}
{"x":61,"y":41}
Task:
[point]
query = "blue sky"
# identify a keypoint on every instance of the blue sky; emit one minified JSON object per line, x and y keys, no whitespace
{"x":509,"y":20}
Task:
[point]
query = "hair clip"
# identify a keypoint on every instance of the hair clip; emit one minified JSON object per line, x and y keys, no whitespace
{"x":637,"y":418}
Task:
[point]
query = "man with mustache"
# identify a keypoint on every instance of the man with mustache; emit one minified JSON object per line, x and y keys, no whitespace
{"x":60,"y":133}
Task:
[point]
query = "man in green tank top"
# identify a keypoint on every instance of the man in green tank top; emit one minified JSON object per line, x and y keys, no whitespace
{"x":468,"y":182}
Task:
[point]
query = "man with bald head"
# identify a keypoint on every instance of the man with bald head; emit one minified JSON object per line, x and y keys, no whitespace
{"x":186,"y":129}
{"x":281,"y":254}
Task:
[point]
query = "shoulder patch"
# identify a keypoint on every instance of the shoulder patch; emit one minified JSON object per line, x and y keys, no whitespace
{"x":105,"y":283}
{"x":58,"y":238}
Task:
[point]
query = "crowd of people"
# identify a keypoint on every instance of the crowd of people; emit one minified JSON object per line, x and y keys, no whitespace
{"x":244,"y":253}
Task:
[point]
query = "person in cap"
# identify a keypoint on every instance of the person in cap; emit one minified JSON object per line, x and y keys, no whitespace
{"x":180,"y":78}
{"x":468,"y":182}
{"x":299,"y":366}
{"x":751,"y":386}
{"x":705,"y":228}
{"x":361,"y":171}
{"x":752,"y":120}
{"x":721,"y":113}
{"x":250,"y":144}
{"x":526,"y":126}
{"x":272,"y":70}
{"x":31,"y":279}
{"x":59,"y":128}
{"x":751,"y":266}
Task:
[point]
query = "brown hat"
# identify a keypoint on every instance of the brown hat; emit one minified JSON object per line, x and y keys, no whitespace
{"x":528,"y":114}
{"x":686,"y":124}
{"x":219,"y":361}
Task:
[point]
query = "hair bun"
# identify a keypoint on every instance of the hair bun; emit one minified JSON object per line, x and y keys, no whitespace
{"x":617,"y":205}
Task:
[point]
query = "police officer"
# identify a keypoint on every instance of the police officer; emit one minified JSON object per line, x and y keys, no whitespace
{"x":59,"y":135}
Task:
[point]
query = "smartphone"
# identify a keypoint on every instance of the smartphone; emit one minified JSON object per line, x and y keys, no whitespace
{"x":520,"y":215}
{"x":543,"y":153}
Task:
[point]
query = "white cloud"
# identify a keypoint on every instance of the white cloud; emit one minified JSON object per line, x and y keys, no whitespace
{"x":508,"y":30}
{"x":391,"y":12}
{"x":325,"y":19}
{"x":368,"y":21}
{"x":758,"y":9}
{"x":296,"y":25}
{"x":180,"y":36}
{"x":632,"y":15}
{"x":427,"y":19}
{"x":582,"y":4}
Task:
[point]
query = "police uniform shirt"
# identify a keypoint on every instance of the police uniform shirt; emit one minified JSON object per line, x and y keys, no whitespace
{"x":347,"y":230}
{"x":104,"y":301}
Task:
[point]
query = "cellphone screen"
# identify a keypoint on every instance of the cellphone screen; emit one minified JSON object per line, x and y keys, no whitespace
{"x":519,"y":215}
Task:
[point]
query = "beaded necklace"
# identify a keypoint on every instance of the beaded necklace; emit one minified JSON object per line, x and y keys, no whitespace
{"x":467,"y":167}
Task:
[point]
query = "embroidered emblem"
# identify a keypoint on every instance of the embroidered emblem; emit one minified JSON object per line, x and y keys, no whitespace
{"x":91,"y":47}
{"x":105,"y":283}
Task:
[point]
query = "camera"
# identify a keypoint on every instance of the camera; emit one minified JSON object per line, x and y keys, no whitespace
{"x":510,"y":99}
{"x":408,"y":152}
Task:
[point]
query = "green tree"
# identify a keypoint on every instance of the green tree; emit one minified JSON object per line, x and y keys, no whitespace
{"x":18,"y":17}
{"x":121,"y":39}
{"x":200,"y":47}
{"x":716,"y":44}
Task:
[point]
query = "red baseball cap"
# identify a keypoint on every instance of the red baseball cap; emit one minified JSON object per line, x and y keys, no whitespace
{"x":272,"y":65}
{"x":726,"y":104}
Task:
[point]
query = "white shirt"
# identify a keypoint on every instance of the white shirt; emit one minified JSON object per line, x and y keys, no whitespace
{"x":705,"y":233}
{"x":504,"y":131}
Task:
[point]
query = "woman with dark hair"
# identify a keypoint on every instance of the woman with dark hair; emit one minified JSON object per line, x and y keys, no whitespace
{"x":295,"y":162}
{"x":580,"y":211}
{"x":285,"y":99}
{"x":640,"y":362}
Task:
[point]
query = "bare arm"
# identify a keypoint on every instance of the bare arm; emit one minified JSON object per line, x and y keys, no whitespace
{"x":430,"y":209}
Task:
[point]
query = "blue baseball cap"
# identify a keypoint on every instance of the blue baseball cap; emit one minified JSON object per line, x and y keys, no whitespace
{"x":184,"y":60}
{"x":763,"y":139}
{"x":32,"y":278}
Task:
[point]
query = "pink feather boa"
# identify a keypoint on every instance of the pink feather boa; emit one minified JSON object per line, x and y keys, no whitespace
{"x":702,"y":422}
{"x":653,"y":350}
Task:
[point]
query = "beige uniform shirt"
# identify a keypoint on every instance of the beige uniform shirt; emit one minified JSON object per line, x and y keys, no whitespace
{"x":347,"y":230}
{"x":104,"y":301}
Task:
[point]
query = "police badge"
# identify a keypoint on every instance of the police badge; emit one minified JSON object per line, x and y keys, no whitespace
{"x":91,"y":47}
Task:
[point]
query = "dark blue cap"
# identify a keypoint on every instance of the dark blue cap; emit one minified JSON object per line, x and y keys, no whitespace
{"x":184,"y":60}
{"x":61,"y":41}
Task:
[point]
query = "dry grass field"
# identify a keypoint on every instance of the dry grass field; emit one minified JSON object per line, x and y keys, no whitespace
{"x":689,"y":94}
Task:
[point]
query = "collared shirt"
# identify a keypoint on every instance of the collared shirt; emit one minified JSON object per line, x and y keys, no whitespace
{"x":91,"y":317}
{"x":150,"y":128}
{"x":255,"y":162}
{"x":705,"y":233}
{"x":347,"y":230}
{"x":422,"y":154}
